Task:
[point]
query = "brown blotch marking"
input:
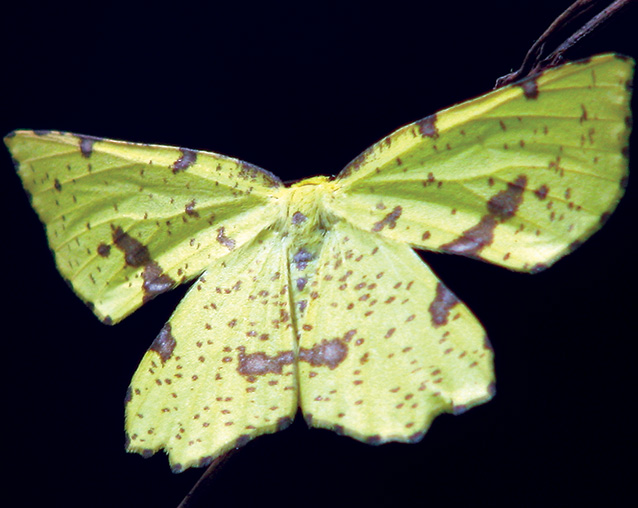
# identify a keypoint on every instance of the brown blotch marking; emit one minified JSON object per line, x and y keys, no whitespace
{"x":136,"y":254}
{"x":473,"y":239}
{"x":164,"y":343}
{"x":329,"y":353}
{"x":190,"y":209}
{"x":86,"y":145}
{"x":389,"y":220}
{"x":104,"y":250}
{"x":155,"y":281}
{"x":259,"y":363}
{"x":530,"y":87}
{"x":427,"y":127}
{"x":505,"y":203}
{"x":501,"y":207}
{"x":186,"y":160}
{"x":298,"y":218}
{"x":441,"y":305}
{"x":541,"y":192}
{"x":229,"y":243}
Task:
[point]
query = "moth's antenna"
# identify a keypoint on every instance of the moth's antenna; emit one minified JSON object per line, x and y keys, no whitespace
{"x":535,"y":62}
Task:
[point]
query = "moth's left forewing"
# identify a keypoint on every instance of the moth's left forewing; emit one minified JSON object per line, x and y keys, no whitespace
{"x":517,"y":177}
{"x":129,"y":221}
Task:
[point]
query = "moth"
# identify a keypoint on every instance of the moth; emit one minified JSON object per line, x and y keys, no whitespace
{"x":310,"y":295}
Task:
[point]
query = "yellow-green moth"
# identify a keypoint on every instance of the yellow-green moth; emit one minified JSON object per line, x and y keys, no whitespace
{"x":310,"y":295}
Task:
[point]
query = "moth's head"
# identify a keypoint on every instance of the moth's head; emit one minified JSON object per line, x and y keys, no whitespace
{"x":305,"y":201}
{"x":312,"y":181}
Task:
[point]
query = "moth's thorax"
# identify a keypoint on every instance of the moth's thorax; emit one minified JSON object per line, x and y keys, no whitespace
{"x":304,"y":224}
{"x":305,"y":214}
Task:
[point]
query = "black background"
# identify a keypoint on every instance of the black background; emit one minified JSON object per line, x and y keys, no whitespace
{"x":300,"y":89}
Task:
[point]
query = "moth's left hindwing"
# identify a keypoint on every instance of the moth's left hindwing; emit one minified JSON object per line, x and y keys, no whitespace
{"x":223,"y":369}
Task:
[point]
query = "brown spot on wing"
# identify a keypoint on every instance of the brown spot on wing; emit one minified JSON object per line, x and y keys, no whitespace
{"x":104,"y":250}
{"x":186,"y":160}
{"x":229,"y":243}
{"x":473,"y":239}
{"x":136,"y":254}
{"x":86,"y":145}
{"x":155,"y":281}
{"x":505,"y":203}
{"x":259,"y":363}
{"x":389,"y":220}
{"x":501,"y":207}
{"x":164,"y":343}
{"x":427,"y":127}
{"x":530,"y":87}
{"x":440,"y":307}
{"x":329,"y":353}
{"x":190,"y":209}
{"x":541,"y":192}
